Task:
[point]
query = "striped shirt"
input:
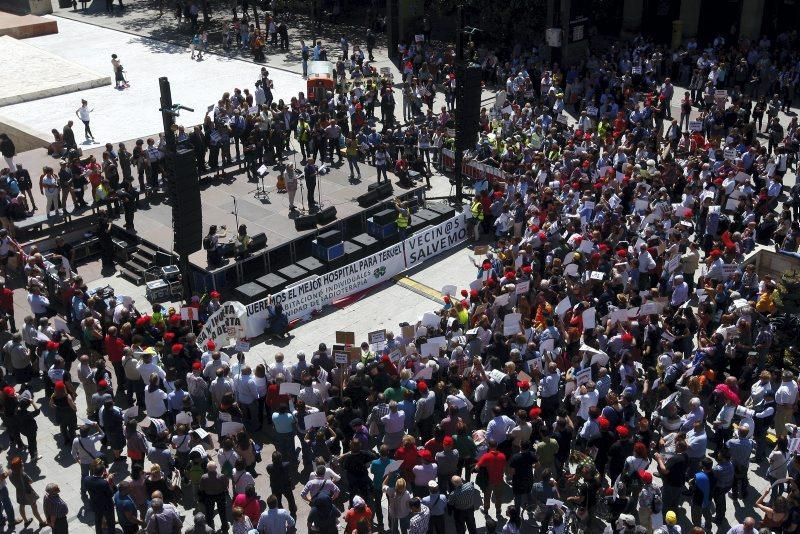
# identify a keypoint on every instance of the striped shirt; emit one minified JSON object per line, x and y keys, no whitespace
{"x":462,"y":498}
{"x":54,"y":506}
{"x":420,"y":520}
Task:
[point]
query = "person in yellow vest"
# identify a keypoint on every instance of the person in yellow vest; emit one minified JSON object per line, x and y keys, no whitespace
{"x":476,"y":209}
{"x":403,"y":220}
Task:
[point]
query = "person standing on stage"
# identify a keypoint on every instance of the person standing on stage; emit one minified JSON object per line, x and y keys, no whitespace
{"x":310,"y":173}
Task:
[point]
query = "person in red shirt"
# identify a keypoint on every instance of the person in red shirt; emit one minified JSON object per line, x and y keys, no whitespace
{"x":409,"y":454}
{"x":114,"y":345}
{"x":495,"y":463}
{"x":360,"y":513}
{"x":7,"y":305}
{"x":248,"y":502}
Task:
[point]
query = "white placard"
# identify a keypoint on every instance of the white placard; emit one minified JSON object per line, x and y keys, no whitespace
{"x":547,"y":345}
{"x":600,"y":358}
{"x":732,"y":204}
{"x":596,"y":275}
{"x":501,"y":300}
{"x":231,"y":429}
{"x":315,"y":420}
{"x":563,"y":306}
{"x":556,"y":502}
{"x":429,"y":349}
{"x":426,"y":373}
{"x":589,"y":320}
{"x":41,"y":336}
{"x":583,"y":376}
{"x":696,"y":126}
{"x":536,"y":363}
{"x":341,"y":357}
{"x":290,"y":388}
{"x":377,"y":337}
{"x":497,"y":375}
{"x":430,"y":320}
{"x":586,"y":246}
{"x":522,"y":287}
{"x":673,"y":264}
{"x":242,"y":346}
{"x":131,"y":413}
{"x":511,"y":324}
{"x":641,"y":204}
{"x":224,"y":417}
{"x":183,"y":418}
{"x":439,"y":340}
{"x":591,"y":110}
{"x":449,"y":290}
{"x":476,"y":284}
{"x":571,"y":269}
{"x":393,"y":466}
{"x":569,"y":258}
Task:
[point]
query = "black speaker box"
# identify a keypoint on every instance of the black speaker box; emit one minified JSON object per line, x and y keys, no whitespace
{"x":187,"y":213}
{"x":327,"y":215}
{"x":305,"y":222}
{"x":468,"y":107}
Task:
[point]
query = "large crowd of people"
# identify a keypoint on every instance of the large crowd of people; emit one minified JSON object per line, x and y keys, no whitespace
{"x":616,"y":364}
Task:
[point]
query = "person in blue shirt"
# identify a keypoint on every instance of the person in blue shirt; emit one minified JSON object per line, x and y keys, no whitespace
{"x":377,"y":467}
{"x":702,"y":487}
{"x":127,"y":514}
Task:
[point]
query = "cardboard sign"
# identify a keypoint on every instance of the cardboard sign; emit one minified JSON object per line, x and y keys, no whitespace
{"x":190,"y":313}
{"x":408,"y":332}
{"x":376,"y":337}
{"x":242,"y":346}
{"x":346,"y":338}
{"x":341,"y":357}
{"x":315,"y":420}
{"x":355,"y":353}
{"x":290,"y":388}
{"x":480,"y":250}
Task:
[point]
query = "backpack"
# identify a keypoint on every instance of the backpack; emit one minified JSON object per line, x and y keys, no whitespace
{"x":207,"y":243}
{"x":655,"y":504}
{"x":227,"y":468}
{"x":195,"y":472}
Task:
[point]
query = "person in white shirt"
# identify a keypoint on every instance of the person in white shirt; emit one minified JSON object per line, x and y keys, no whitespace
{"x":83,"y":114}
{"x":760,"y":389}
{"x":587,"y":397}
{"x":785,"y":399}
{"x":680,"y":291}
{"x":247,"y":395}
{"x":147,"y":368}
{"x":499,"y":428}
{"x":155,"y":398}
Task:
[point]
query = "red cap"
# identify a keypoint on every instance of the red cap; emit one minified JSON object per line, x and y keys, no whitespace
{"x":446,"y":299}
{"x":603,"y":422}
{"x":579,"y":239}
{"x":523,"y":384}
{"x":576,"y":185}
{"x":52,"y":345}
{"x":688,"y":213}
{"x":11,"y":392}
{"x":103,"y":383}
{"x":535,"y":412}
{"x":603,"y":247}
{"x":622,"y":253}
{"x":534,"y":228}
{"x":214,"y":294}
{"x":527,"y":269}
{"x":211,"y":345}
{"x":627,"y":337}
{"x":177,"y":348}
{"x":586,"y":163}
{"x":59,"y":385}
{"x":143,"y":320}
{"x":174,"y":318}
{"x":426,"y":455}
{"x":169,"y":336}
{"x":623,"y":431}
{"x":464,"y":293}
{"x":197,"y":366}
{"x":447,"y":441}
{"x":473,"y":292}
{"x":422,"y":386}
{"x":645,"y":476}
{"x":715,"y":253}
